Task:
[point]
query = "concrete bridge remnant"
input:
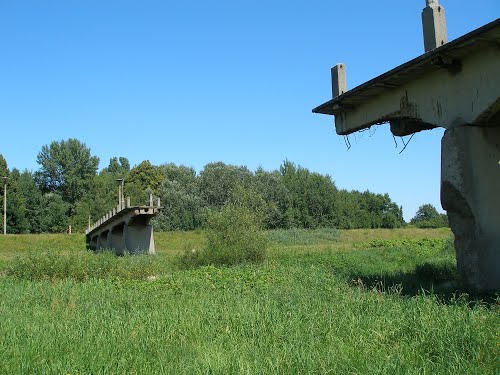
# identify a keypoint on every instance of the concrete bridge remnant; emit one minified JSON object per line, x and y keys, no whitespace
{"x":125,"y":228}
{"x":454,"y":85}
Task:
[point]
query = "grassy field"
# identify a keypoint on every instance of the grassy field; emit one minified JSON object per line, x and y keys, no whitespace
{"x":353,"y":302}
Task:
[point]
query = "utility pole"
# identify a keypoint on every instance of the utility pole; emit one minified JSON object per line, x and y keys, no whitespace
{"x":5,"y":206}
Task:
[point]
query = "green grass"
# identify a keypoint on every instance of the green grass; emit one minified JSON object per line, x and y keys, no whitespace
{"x":351,"y":306}
{"x":293,"y":237}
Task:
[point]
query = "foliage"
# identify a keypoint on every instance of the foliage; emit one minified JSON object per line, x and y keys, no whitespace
{"x":218,"y":180}
{"x":43,"y":265}
{"x":33,"y":202}
{"x":66,"y":168}
{"x":180,"y":199}
{"x":118,"y":167}
{"x":234,"y":236}
{"x":53,"y":218}
{"x":428,"y":217}
{"x":291,"y":197}
{"x":142,"y":180}
{"x":99,"y":200}
{"x":181,"y":207}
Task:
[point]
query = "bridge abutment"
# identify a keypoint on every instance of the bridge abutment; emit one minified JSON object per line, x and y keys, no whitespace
{"x":470,"y":193}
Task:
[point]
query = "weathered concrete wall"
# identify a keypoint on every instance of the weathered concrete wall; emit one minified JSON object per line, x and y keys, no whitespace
{"x":470,"y":192}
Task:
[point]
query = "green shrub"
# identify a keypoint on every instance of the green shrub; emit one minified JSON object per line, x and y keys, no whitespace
{"x":234,"y":235}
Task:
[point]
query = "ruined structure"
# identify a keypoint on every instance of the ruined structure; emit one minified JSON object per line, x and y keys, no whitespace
{"x":125,"y":228}
{"x":456,"y":86}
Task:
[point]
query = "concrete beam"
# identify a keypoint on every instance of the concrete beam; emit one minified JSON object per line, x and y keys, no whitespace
{"x":440,"y":98}
{"x":452,"y":85}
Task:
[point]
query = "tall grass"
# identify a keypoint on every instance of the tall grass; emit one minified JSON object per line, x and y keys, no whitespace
{"x":81,"y":266}
{"x":297,"y":236}
{"x":307,"y":311}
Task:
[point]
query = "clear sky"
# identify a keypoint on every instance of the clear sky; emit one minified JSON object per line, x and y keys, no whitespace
{"x":192,"y":82}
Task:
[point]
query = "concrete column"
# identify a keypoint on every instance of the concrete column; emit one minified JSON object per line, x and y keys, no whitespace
{"x":433,"y":25}
{"x":339,"y":85}
{"x":109,"y":239}
{"x":139,"y":238}
{"x":470,"y":193}
{"x":118,"y":239}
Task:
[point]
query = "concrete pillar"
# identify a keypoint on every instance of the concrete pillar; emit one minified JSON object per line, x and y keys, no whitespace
{"x":433,"y":25}
{"x":339,"y":85}
{"x":109,"y":239}
{"x":118,"y":239}
{"x":470,"y":193}
{"x":139,"y":238}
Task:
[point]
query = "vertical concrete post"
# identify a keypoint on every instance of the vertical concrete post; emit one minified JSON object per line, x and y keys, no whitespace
{"x":339,"y":85}
{"x":150,"y":200}
{"x":5,"y":205}
{"x":123,"y":193}
{"x":470,"y":193}
{"x":433,"y":25}
{"x":128,"y":201}
{"x":139,"y":237}
{"x":120,"y":193}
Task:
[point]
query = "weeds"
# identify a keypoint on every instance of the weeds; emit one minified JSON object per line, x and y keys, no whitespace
{"x":234,"y":236}
{"x":295,"y":236}
{"x":81,"y":266}
{"x":322,"y":308}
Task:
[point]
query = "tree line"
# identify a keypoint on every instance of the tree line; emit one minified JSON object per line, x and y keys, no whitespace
{"x":68,"y":189}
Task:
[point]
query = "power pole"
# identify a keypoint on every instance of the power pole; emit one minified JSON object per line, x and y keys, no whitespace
{"x":5,"y":206}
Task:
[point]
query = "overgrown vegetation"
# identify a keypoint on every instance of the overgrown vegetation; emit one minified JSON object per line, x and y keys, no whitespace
{"x":348,"y":305}
{"x":44,"y":265}
{"x":234,"y":236}
{"x":428,"y":217}
{"x":295,"y":236}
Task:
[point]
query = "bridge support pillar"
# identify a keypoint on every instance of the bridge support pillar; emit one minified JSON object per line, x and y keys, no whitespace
{"x":139,"y":238}
{"x":118,"y":239}
{"x":470,"y":193}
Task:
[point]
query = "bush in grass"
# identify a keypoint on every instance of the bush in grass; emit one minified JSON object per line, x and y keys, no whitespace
{"x":234,"y":236}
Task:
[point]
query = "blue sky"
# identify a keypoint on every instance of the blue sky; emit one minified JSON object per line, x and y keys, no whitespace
{"x":192,"y":82}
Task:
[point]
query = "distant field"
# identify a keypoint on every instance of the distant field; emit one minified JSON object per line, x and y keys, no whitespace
{"x":350,"y":302}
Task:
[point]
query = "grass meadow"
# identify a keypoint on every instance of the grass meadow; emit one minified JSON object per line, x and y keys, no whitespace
{"x":323,"y":302}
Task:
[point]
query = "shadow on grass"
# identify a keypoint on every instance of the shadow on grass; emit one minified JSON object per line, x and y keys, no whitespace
{"x":441,"y":280}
